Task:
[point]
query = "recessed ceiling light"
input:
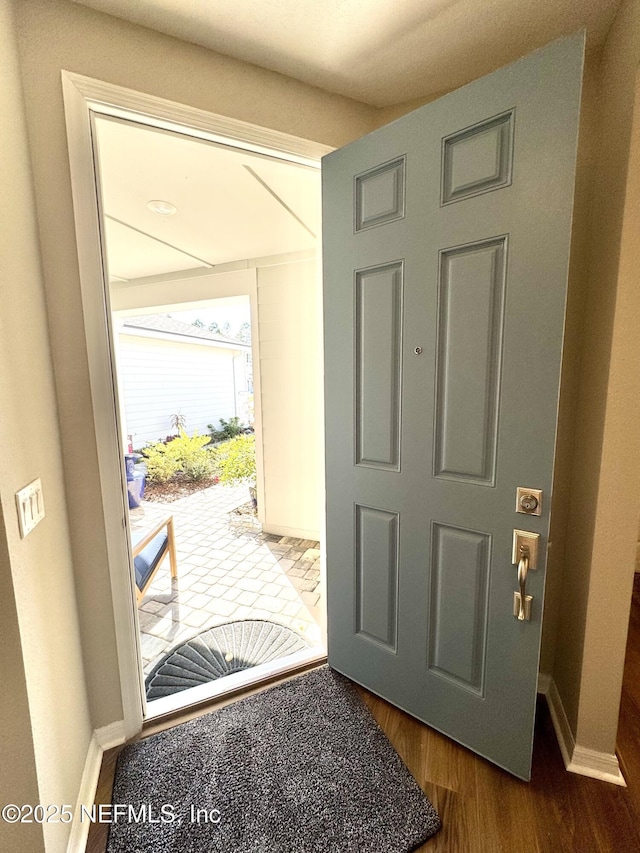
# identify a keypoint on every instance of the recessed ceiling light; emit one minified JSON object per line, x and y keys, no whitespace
{"x":163,"y":208}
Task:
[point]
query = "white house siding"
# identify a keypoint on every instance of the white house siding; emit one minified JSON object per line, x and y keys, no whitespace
{"x":159,"y":378}
{"x":290,"y":375}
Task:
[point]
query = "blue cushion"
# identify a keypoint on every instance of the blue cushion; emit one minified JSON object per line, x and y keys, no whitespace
{"x":149,"y":557}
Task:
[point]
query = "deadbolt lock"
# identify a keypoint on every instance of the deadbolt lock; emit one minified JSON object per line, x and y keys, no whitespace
{"x":528,"y":501}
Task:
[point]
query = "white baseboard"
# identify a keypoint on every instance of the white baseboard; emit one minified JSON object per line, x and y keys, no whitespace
{"x":598,"y":765}
{"x":102,"y":739}
{"x":86,"y":795}
{"x":578,"y":759}
{"x":112,"y":735}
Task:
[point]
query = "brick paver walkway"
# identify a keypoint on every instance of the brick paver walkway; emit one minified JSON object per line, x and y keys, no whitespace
{"x":227,"y":570}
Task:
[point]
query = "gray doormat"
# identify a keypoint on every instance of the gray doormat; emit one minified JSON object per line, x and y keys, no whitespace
{"x":300,"y":768}
{"x":218,"y":652}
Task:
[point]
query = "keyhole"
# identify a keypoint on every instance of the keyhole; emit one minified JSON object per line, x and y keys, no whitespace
{"x":418,"y":350}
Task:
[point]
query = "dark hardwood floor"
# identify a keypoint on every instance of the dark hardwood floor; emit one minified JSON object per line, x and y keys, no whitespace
{"x":484,"y":809}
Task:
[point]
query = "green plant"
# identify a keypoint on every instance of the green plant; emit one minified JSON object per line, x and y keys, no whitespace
{"x":195,"y":462}
{"x":197,"y":465}
{"x":200,"y":467}
{"x":162,"y":464}
{"x":228,"y":429}
{"x":185,"y":454}
{"x":178,"y":421}
{"x":236,"y":460}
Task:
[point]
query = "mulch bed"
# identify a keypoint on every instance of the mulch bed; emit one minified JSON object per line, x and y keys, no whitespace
{"x":175,"y":489}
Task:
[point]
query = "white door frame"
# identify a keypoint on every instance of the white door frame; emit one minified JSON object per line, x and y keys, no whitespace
{"x":84,"y":98}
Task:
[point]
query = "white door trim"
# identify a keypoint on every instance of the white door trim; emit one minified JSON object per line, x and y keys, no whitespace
{"x":83,"y":98}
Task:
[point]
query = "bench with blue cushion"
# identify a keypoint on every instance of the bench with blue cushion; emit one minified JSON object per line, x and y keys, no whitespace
{"x":149,"y":548}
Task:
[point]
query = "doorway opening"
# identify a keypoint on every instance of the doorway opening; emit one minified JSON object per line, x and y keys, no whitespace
{"x":210,"y":252}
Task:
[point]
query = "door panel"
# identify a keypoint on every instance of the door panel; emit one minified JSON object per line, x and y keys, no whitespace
{"x":446,"y":247}
{"x":478,"y":159}
{"x":470,"y":330}
{"x":458,"y":614}
{"x":379,"y":195}
{"x":377,"y":576}
{"x":378,"y":318}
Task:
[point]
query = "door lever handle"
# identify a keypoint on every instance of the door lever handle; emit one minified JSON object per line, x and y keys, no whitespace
{"x":523,"y":568}
{"x":525,"y":556}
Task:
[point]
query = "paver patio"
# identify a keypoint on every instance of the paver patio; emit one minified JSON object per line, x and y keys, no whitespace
{"x":227,"y":570}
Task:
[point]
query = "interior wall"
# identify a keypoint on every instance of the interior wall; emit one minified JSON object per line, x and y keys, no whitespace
{"x":605,"y":489}
{"x":571,"y":360}
{"x":16,"y":745}
{"x":388,"y":114}
{"x":56,"y":35}
{"x":38,"y":600}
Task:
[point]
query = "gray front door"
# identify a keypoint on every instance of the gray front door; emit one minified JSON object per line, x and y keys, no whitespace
{"x":446,"y":249}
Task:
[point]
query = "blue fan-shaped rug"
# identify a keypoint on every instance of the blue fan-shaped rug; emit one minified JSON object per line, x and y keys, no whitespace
{"x":220,"y":651}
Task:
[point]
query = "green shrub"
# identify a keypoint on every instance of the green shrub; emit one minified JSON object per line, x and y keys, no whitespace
{"x":198,"y":466}
{"x":228,"y":429}
{"x":162,"y":464}
{"x":236,"y":460}
{"x":184,"y":454}
{"x":195,"y":462}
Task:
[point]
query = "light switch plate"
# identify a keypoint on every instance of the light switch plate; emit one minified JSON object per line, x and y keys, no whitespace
{"x":30,"y":504}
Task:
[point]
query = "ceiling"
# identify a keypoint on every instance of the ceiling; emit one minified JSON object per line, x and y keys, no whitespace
{"x":234,"y":205}
{"x":231,"y":205}
{"x":380,"y":52}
